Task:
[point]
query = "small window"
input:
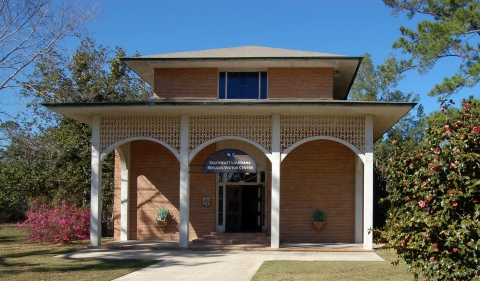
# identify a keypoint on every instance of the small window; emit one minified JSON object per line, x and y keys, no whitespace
{"x":242,"y":85}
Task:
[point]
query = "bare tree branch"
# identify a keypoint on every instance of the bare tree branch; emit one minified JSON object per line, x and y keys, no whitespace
{"x":32,"y":28}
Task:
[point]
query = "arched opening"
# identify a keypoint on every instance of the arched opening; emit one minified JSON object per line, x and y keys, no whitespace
{"x":318,"y":174}
{"x":216,"y":186}
{"x":355,"y":149}
{"x":146,"y":179}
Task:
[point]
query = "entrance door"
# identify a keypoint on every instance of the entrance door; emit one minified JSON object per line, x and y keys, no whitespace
{"x":234,"y":209}
{"x":245,"y":208}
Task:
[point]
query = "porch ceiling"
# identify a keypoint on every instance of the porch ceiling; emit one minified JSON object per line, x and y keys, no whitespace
{"x":385,"y":114}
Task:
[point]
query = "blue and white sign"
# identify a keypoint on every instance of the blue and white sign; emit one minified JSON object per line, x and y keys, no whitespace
{"x":230,"y":161}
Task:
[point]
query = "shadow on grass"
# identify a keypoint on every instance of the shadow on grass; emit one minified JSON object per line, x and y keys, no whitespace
{"x":30,"y":253}
{"x":81,"y":265}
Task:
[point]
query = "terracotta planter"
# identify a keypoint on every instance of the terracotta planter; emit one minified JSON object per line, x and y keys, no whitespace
{"x":163,"y":223}
{"x":319,"y":225}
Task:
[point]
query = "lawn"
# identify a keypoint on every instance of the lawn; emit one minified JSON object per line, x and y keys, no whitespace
{"x":333,"y":270}
{"x":20,"y":260}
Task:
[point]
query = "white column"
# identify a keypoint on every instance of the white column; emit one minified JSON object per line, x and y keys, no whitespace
{"x":358,"y":200}
{"x":96,"y":186}
{"x":184,"y":182}
{"x":368,"y":185}
{"x":276,"y":162}
{"x":124,"y":152}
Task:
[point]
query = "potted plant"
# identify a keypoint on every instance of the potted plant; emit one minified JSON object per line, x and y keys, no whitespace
{"x":163,"y":217}
{"x":319,"y":219}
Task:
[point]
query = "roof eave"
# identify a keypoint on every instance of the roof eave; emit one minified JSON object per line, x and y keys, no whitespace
{"x":385,"y":115}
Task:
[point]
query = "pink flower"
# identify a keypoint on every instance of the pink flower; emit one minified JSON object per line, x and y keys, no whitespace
{"x":424,"y":183}
{"x":454,"y":204}
{"x":466,"y":106}
{"x":437,"y":150}
{"x":434,"y":168}
{"x":436,"y":245}
{"x":424,"y":234}
{"x":421,"y":203}
{"x":476,"y":129}
{"x":410,"y":165}
{"x":454,"y":250}
{"x":447,"y":129}
{"x":452,"y":165}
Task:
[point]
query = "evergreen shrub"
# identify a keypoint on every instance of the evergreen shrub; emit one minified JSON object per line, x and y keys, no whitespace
{"x":434,"y":219}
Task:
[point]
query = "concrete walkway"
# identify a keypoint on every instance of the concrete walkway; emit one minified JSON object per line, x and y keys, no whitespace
{"x":210,"y":265}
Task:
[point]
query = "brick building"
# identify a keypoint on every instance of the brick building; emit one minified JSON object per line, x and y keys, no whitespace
{"x":285,"y":110}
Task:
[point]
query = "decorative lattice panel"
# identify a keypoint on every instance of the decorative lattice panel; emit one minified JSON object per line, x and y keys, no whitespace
{"x":295,"y":128}
{"x":254,"y":127}
{"x":161,"y":127}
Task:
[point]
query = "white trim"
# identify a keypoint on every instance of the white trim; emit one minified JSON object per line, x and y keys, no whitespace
{"x":368,"y":185}
{"x":109,"y":149}
{"x":184,"y":182}
{"x":96,"y":186}
{"x":355,"y":149}
{"x":124,"y":153}
{"x":194,"y":152}
{"x":276,"y":165}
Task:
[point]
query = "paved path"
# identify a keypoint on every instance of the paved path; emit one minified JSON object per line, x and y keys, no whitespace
{"x":210,"y":265}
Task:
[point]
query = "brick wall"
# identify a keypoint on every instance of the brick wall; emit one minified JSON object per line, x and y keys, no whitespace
{"x":318,"y":174}
{"x":202,"y":219}
{"x":189,"y":83}
{"x":283,"y":83}
{"x":300,"y":83}
{"x":154,"y":183}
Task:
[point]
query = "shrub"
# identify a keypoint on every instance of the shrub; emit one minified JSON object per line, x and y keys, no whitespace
{"x":55,"y":223}
{"x":434,"y":219}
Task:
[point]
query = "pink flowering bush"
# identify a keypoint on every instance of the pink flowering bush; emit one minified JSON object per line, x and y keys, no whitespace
{"x":434,"y":219}
{"x":55,"y":223}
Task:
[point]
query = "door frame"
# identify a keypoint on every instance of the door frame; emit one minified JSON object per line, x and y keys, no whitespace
{"x":221,"y":202}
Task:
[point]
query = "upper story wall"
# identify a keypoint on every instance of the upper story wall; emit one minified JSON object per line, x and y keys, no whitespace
{"x":190,"y":83}
{"x":300,"y":83}
{"x":283,"y":83}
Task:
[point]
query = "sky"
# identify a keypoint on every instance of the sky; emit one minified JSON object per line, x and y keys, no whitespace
{"x":346,"y":27}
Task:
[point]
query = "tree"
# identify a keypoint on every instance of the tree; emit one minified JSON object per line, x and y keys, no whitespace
{"x":380,"y":84}
{"x":53,"y":161}
{"x":452,"y":32}
{"x":30,"y":29}
{"x":434,"y":219}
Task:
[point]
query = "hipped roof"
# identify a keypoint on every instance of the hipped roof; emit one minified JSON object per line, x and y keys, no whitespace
{"x":251,"y":57}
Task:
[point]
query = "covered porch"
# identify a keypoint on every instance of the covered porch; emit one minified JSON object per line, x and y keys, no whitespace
{"x":274,"y":128}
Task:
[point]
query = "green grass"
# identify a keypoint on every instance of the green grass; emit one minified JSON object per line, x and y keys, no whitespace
{"x":335,"y":270}
{"x":20,"y":260}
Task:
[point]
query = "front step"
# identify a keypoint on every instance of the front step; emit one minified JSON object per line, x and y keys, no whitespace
{"x":220,"y":238}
